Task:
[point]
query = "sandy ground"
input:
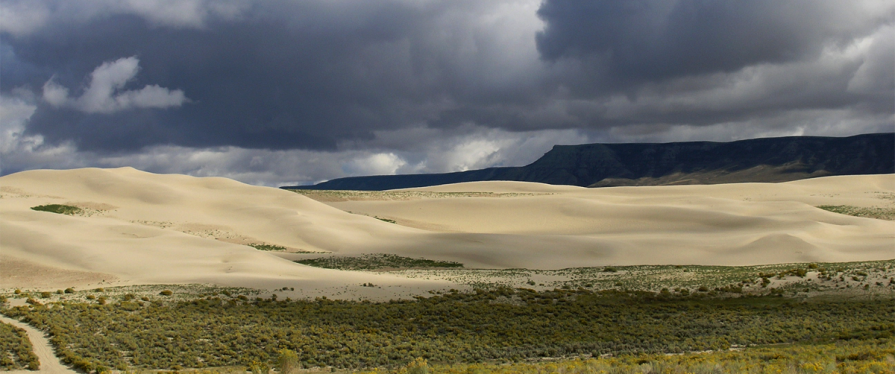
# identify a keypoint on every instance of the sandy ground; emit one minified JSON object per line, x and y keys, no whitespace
{"x":143,"y":228}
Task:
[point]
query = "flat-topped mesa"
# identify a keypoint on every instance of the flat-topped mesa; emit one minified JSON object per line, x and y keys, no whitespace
{"x":641,"y":164}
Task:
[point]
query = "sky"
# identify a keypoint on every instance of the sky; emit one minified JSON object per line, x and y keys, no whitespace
{"x":272,"y":92}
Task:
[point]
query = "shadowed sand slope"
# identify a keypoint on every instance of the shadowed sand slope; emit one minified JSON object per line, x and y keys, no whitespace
{"x":732,"y":224}
{"x":138,"y":227}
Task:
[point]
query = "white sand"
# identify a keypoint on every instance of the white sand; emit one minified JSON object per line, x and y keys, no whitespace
{"x":144,"y":228}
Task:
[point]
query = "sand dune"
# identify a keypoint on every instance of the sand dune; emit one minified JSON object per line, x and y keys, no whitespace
{"x":171,"y":229}
{"x":138,"y":228}
{"x":732,"y":224}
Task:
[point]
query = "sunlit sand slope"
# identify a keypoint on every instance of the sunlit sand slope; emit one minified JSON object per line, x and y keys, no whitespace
{"x":138,"y":227}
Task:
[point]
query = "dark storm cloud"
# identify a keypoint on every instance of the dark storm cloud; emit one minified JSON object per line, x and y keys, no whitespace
{"x":703,"y":63}
{"x":396,"y":86}
{"x":284,"y":75}
{"x":648,"y":40}
{"x":253,"y":84}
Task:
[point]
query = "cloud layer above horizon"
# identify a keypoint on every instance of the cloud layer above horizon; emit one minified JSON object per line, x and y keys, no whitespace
{"x":295,"y":92}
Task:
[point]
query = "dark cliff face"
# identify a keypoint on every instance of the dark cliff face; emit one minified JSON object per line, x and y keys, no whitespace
{"x":603,"y":165}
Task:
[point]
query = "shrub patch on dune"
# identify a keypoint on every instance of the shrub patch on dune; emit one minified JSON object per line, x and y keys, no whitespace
{"x":386,"y":220}
{"x":267,"y":247}
{"x":377,"y":262}
{"x":58,"y":209}
{"x":872,"y":212}
{"x":278,"y":248}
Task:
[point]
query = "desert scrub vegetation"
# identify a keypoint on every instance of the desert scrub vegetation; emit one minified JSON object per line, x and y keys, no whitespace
{"x":141,"y":293}
{"x":804,"y":280}
{"x":15,"y":349}
{"x":871,"y":212}
{"x":58,"y":209}
{"x":821,"y":358}
{"x":377,"y":262}
{"x":506,"y":325}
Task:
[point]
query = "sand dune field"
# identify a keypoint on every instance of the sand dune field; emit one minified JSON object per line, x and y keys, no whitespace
{"x":141,"y":228}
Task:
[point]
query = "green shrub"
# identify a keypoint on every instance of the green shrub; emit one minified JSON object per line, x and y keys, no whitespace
{"x":166,"y":293}
{"x":58,"y":209}
{"x":288,"y":361}
{"x":267,"y":247}
{"x":259,"y":368}
{"x":417,"y":366}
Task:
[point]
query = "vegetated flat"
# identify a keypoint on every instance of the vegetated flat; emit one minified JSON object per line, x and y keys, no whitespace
{"x":504,"y":325}
{"x":15,"y":349}
{"x":136,"y":228}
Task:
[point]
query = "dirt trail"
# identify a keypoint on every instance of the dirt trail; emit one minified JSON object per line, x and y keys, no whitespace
{"x":49,"y":363}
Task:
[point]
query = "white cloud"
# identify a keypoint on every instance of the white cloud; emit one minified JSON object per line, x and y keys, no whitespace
{"x":55,"y":94}
{"x":876,"y":74}
{"x":180,"y":13}
{"x":151,"y":96}
{"x":14,"y":112}
{"x":22,"y":17}
{"x":375,"y":164}
{"x":103,"y":96}
{"x":19,"y":151}
{"x":474,"y":147}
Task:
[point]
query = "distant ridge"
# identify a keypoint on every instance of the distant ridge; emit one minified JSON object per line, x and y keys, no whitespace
{"x":651,"y":164}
